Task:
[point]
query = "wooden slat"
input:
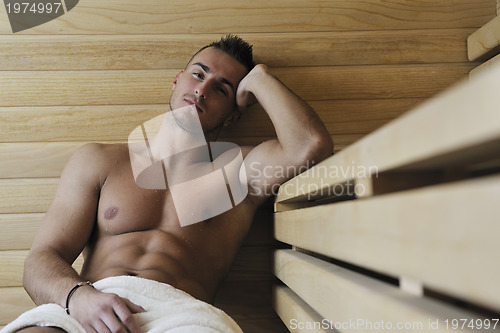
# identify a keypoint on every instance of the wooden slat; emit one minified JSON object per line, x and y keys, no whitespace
{"x":74,"y":123}
{"x":297,"y":315}
{"x":47,"y":88}
{"x":457,"y":126}
{"x":84,"y":87}
{"x":64,"y":52}
{"x":343,"y":296}
{"x":26,"y":195}
{"x":181,"y":16}
{"x":35,"y":159}
{"x":484,"y":40}
{"x":13,"y":302}
{"x":20,"y":126}
{"x":456,"y":224}
{"x":18,"y":230}
{"x":12,"y":263}
{"x":115,"y":122}
{"x":371,"y":82}
{"x":488,"y":65}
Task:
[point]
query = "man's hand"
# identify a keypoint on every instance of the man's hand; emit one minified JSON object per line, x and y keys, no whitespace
{"x":103,"y":312}
{"x":244,"y":94}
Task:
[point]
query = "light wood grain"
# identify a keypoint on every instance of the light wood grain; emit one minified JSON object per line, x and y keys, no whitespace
{"x":84,"y":87}
{"x":484,"y":40}
{"x":180,"y":16}
{"x":91,"y":52}
{"x":13,"y":302}
{"x":48,"y":88}
{"x":342,"y":296}
{"x":12,"y":263}
{"x":26,"y":195}
{"x":74,"y":123}
{"x":456,"y":127}
{"x":18,"y":230}
{"x":297,"y":315}
{"x":386,"y":234}
{"x":115,"y":122}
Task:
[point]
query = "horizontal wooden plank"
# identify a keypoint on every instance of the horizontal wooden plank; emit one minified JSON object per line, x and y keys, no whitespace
{"x":92,"y":52}
{"x":18,"y":230}
{"x":99,"y":123}
{"x":387,"y":234}
{"x":297,"y":315}
{"x":13,"y":302}
{"x":26,"y":195}
{"x":74,"y":123}
{"x":181,"y":16}
{"x":484,"y":40}
{"x":458,"y":126}
{"x":84,"y":87}
{"x":35,"y":160}
{"x":49,"y":88}
{"x":348,"y":298}
{"x":12,"y":263}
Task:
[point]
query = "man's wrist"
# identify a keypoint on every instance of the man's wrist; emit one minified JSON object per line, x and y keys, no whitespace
{"x":73,"y":291}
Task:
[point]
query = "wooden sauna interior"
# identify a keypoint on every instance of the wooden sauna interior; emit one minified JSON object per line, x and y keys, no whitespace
{"x":103,"y":68}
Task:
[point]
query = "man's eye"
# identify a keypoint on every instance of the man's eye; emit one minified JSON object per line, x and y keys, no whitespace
{"x":222,"y":90}
{"x":198,"y":75}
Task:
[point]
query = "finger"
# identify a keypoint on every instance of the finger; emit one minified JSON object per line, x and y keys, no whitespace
{"x":89,"y":329}
{"x":134,"y":308}
{"x":100,"y":327}
{"x":125,"y":315}
{"x":112,"y":322}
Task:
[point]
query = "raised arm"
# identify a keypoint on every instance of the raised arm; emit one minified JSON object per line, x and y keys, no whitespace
{"x":302,"y":138}
{"x":63,"y":234}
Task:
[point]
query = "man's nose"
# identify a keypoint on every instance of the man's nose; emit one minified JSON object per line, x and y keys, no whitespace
{"x":201,"y":91}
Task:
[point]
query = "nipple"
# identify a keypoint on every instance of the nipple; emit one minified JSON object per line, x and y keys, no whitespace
{"x":110,"y":213}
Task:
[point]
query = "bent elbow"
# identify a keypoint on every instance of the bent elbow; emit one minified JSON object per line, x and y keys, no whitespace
{"x":320,"y":148}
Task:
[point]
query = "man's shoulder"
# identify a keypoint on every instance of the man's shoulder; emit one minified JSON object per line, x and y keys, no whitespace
{"x":96,"y":159}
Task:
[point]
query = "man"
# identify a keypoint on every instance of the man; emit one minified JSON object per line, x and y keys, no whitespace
{"x":132,"y":231}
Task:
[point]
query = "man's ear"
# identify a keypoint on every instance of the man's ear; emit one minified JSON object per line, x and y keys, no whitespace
{"x":233,"y":117}
{"x":177,"y":77}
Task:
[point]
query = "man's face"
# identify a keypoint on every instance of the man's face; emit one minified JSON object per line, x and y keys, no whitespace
{"x":209,"y":82}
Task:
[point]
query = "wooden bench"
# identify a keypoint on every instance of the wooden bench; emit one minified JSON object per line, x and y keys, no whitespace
{"x":399,"y":230}
{"x":100,"y":70}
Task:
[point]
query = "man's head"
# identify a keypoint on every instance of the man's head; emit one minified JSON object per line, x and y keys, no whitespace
{"x":210,"y":81}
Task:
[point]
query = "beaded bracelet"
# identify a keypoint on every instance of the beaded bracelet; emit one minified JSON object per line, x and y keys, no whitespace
{"x":79,"y":284}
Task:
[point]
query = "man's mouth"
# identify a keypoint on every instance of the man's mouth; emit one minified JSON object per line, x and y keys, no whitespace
{"x":193,"y":102}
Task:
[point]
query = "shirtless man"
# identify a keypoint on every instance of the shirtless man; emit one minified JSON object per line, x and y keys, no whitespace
{"x":128,"y":230}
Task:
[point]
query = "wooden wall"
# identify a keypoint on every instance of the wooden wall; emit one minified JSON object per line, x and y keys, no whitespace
{"x":105,"y":67}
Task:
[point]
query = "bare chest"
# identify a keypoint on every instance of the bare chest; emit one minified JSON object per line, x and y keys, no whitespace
{"x":125,"y":207}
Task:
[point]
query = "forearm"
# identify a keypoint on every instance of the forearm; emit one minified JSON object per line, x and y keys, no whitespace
{"x":297,"y":125}
{"x":48,"y":278}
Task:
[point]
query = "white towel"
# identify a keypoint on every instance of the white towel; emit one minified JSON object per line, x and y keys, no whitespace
{"x":167,"y":310}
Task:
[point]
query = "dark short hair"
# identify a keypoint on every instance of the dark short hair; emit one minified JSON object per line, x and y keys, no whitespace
{"x":235,"y":47}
